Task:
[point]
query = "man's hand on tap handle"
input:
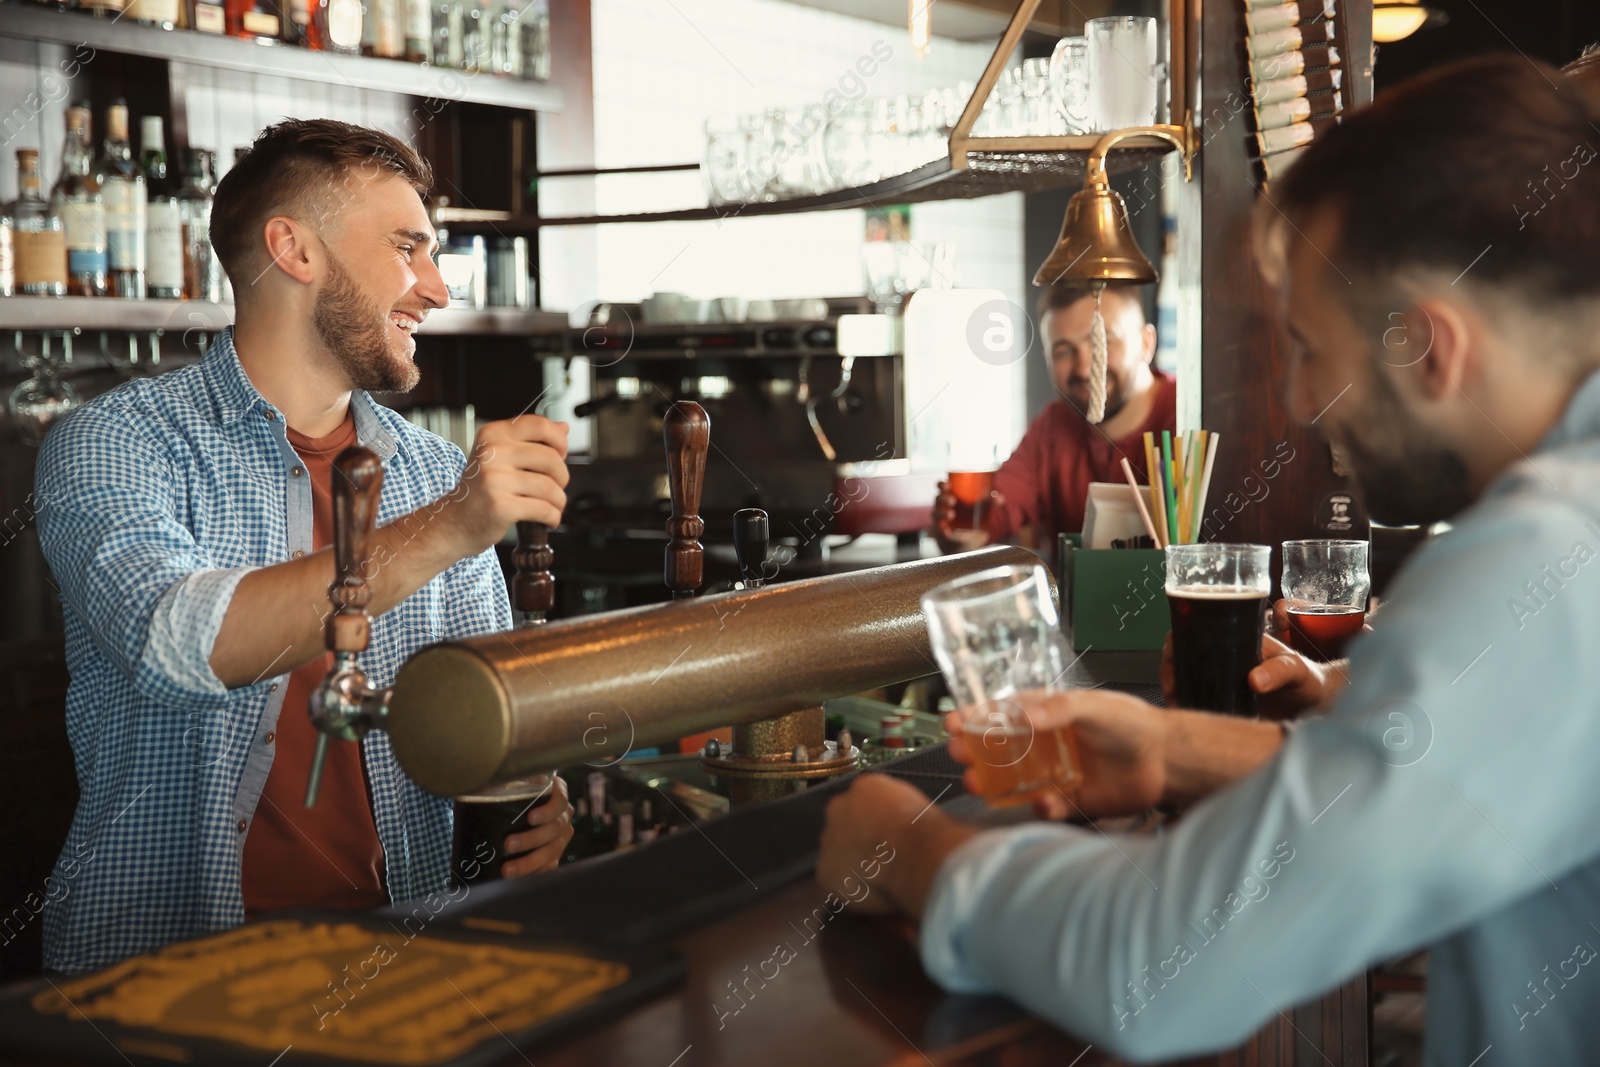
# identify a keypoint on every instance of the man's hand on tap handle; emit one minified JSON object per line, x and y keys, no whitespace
{"x":517,"y":472}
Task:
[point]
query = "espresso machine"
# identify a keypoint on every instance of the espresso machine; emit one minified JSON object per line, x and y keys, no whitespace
{"x":470,"y":716}
{"x":813,"y":427}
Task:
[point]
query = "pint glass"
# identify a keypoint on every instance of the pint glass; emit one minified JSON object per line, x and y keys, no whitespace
{"x":995,"y":634}
{"x":1217,"y":594}
{"x":1325,"y":586}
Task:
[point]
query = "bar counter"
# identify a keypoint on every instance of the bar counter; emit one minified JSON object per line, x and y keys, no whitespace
{"x":725,"y":894}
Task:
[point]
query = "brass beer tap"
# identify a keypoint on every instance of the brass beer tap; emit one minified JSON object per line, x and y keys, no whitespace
{"x":346,"y":705}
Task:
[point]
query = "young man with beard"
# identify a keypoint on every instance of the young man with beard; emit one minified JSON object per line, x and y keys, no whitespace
{"x":1446,"y":799}
{"x":186,"y":519}
{"x":1042,"y":489}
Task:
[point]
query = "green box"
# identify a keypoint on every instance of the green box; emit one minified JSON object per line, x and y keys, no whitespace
{"x":1118,"y":598}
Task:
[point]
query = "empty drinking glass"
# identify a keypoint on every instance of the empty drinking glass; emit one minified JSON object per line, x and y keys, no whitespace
{"x":1038,"y":109}
{"x":1123,"y":76}
{"x":995,"y":634}
{"x":1069,"y":83}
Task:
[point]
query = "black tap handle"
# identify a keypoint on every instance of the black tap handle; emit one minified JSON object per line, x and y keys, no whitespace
{"x":750,"y":537}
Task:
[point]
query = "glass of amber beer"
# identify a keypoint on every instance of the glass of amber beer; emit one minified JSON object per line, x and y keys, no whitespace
{"x":1325,"y":586}
{"x":996,"y":634}
{"x":1217,"y":594}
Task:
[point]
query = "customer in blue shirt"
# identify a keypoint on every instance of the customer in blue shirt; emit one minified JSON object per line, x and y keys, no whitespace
{"x":1439,"y":253}
{"x":177,"y":520}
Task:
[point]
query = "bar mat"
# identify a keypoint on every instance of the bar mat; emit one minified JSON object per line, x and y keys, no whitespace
{"x":1149,"y":692}
{"x":319,"y":989}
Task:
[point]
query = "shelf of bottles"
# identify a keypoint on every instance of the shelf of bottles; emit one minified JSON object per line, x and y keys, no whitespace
{"x":478,"y":51}
{"x":117,"y":245}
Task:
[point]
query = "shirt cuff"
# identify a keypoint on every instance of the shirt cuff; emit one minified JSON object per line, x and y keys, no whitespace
{"x":956,"y":897}
{"x":184,"y":628}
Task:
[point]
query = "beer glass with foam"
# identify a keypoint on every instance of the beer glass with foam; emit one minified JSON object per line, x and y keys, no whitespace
{"x":1325,"y":586}
{"x":1218,"y":596}
{"x":995,"y":635}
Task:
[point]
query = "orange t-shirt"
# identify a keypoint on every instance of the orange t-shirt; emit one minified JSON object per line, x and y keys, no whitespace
{"x":328,"y":856}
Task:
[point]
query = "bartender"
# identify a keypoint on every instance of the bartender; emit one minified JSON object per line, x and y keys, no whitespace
{"x":1309,"y":855}
{"x":1043,"y":488}
{"x":186,"y":518}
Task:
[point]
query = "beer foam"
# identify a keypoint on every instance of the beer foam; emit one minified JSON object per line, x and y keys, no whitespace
{"x":1218,"y":592}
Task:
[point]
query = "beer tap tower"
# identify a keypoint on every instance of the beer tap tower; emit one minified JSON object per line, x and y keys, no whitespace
{"x":346,"y":705}
{"x":481,"y":716}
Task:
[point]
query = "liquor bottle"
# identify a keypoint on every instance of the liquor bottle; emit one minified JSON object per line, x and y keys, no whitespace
{"x":447,"y":33}
{"x":533,"y":27}
{"x":300,"y":25}
{"x":38,"y":238}
{"x":474,"y":34}
{"x":577,"y":848}
{"x":123,"y":192}
{"x":419,"y":31}
{"x":208,"y":16}
{"x":505,"y":39}
{"x":76,"y":198}
{"x":340,"y":24}
{"x":383,"y":34}
{"x":163,"y":269}
{"x":162,"y":14}
{"x":647,"y":830}
{"x":254,"y":20}
{"x":200,"y":273}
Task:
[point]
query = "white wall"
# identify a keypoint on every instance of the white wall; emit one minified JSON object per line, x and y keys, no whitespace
{"x":661,"y":69}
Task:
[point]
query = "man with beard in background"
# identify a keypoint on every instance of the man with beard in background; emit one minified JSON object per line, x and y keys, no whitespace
{"x":1042,"y":489}
{"x":186,"y":519}
{"x":1445,"y":799}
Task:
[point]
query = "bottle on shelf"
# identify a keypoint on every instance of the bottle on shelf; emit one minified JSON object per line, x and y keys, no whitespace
{"x":340,"y":24}
{"x":122,"y":190}
{"x":300,"y":27}
{"x":533,"y":51}
{"x":577,"y":848}
{"x":447,"y":33}
{"x":163,"y":246}
{"x":419,"y":31}
{"x":200,"y":273}
{"x":383,"y":33}
{"x":505,"y":40}
{"x":207,"y":16}
{"x":39,"y":240}
{"x":254,"y":20}
{"x":162,"y":14}
{"x":474,"y":34}
{"x":76,"y":198}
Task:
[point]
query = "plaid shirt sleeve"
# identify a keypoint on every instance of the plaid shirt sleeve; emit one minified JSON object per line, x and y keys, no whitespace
{"x":150,"y":595}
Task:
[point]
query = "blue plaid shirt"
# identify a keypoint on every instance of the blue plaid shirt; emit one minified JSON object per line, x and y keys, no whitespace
{"x":155,"y":500}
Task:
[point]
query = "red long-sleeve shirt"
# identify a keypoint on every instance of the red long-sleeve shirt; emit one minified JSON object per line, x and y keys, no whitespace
{"x":1046,"y":481}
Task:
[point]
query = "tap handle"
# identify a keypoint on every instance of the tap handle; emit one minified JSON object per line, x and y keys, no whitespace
{"x":533,"y":588}
{"x":750,"y":536}
{"x":686,"y":430}
{"x":357,"y":483}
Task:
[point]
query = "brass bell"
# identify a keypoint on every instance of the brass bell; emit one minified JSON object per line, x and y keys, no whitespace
{"x":1096,"y":246}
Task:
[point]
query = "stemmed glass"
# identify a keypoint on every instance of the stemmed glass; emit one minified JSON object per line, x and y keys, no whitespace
{"x":43,"y":398}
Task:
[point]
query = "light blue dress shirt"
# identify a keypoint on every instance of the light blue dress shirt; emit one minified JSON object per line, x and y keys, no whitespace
{"x":1450,"y":800}
{"x":155,"y":500}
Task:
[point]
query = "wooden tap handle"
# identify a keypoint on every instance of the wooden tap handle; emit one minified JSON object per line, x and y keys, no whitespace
{"x":357,"y":484}
{"x":686,"y":431}
{"x":533,"y":588}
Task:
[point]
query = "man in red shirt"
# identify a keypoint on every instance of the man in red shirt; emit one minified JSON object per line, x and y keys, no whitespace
{"x":1041,"y":490}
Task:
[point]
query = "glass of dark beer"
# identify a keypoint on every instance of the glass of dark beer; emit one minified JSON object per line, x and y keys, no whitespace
{"x":996,"y":634}
{"x":1218,"y":597}
{"x":1325,"y":586}
{"x":483,"y":820}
